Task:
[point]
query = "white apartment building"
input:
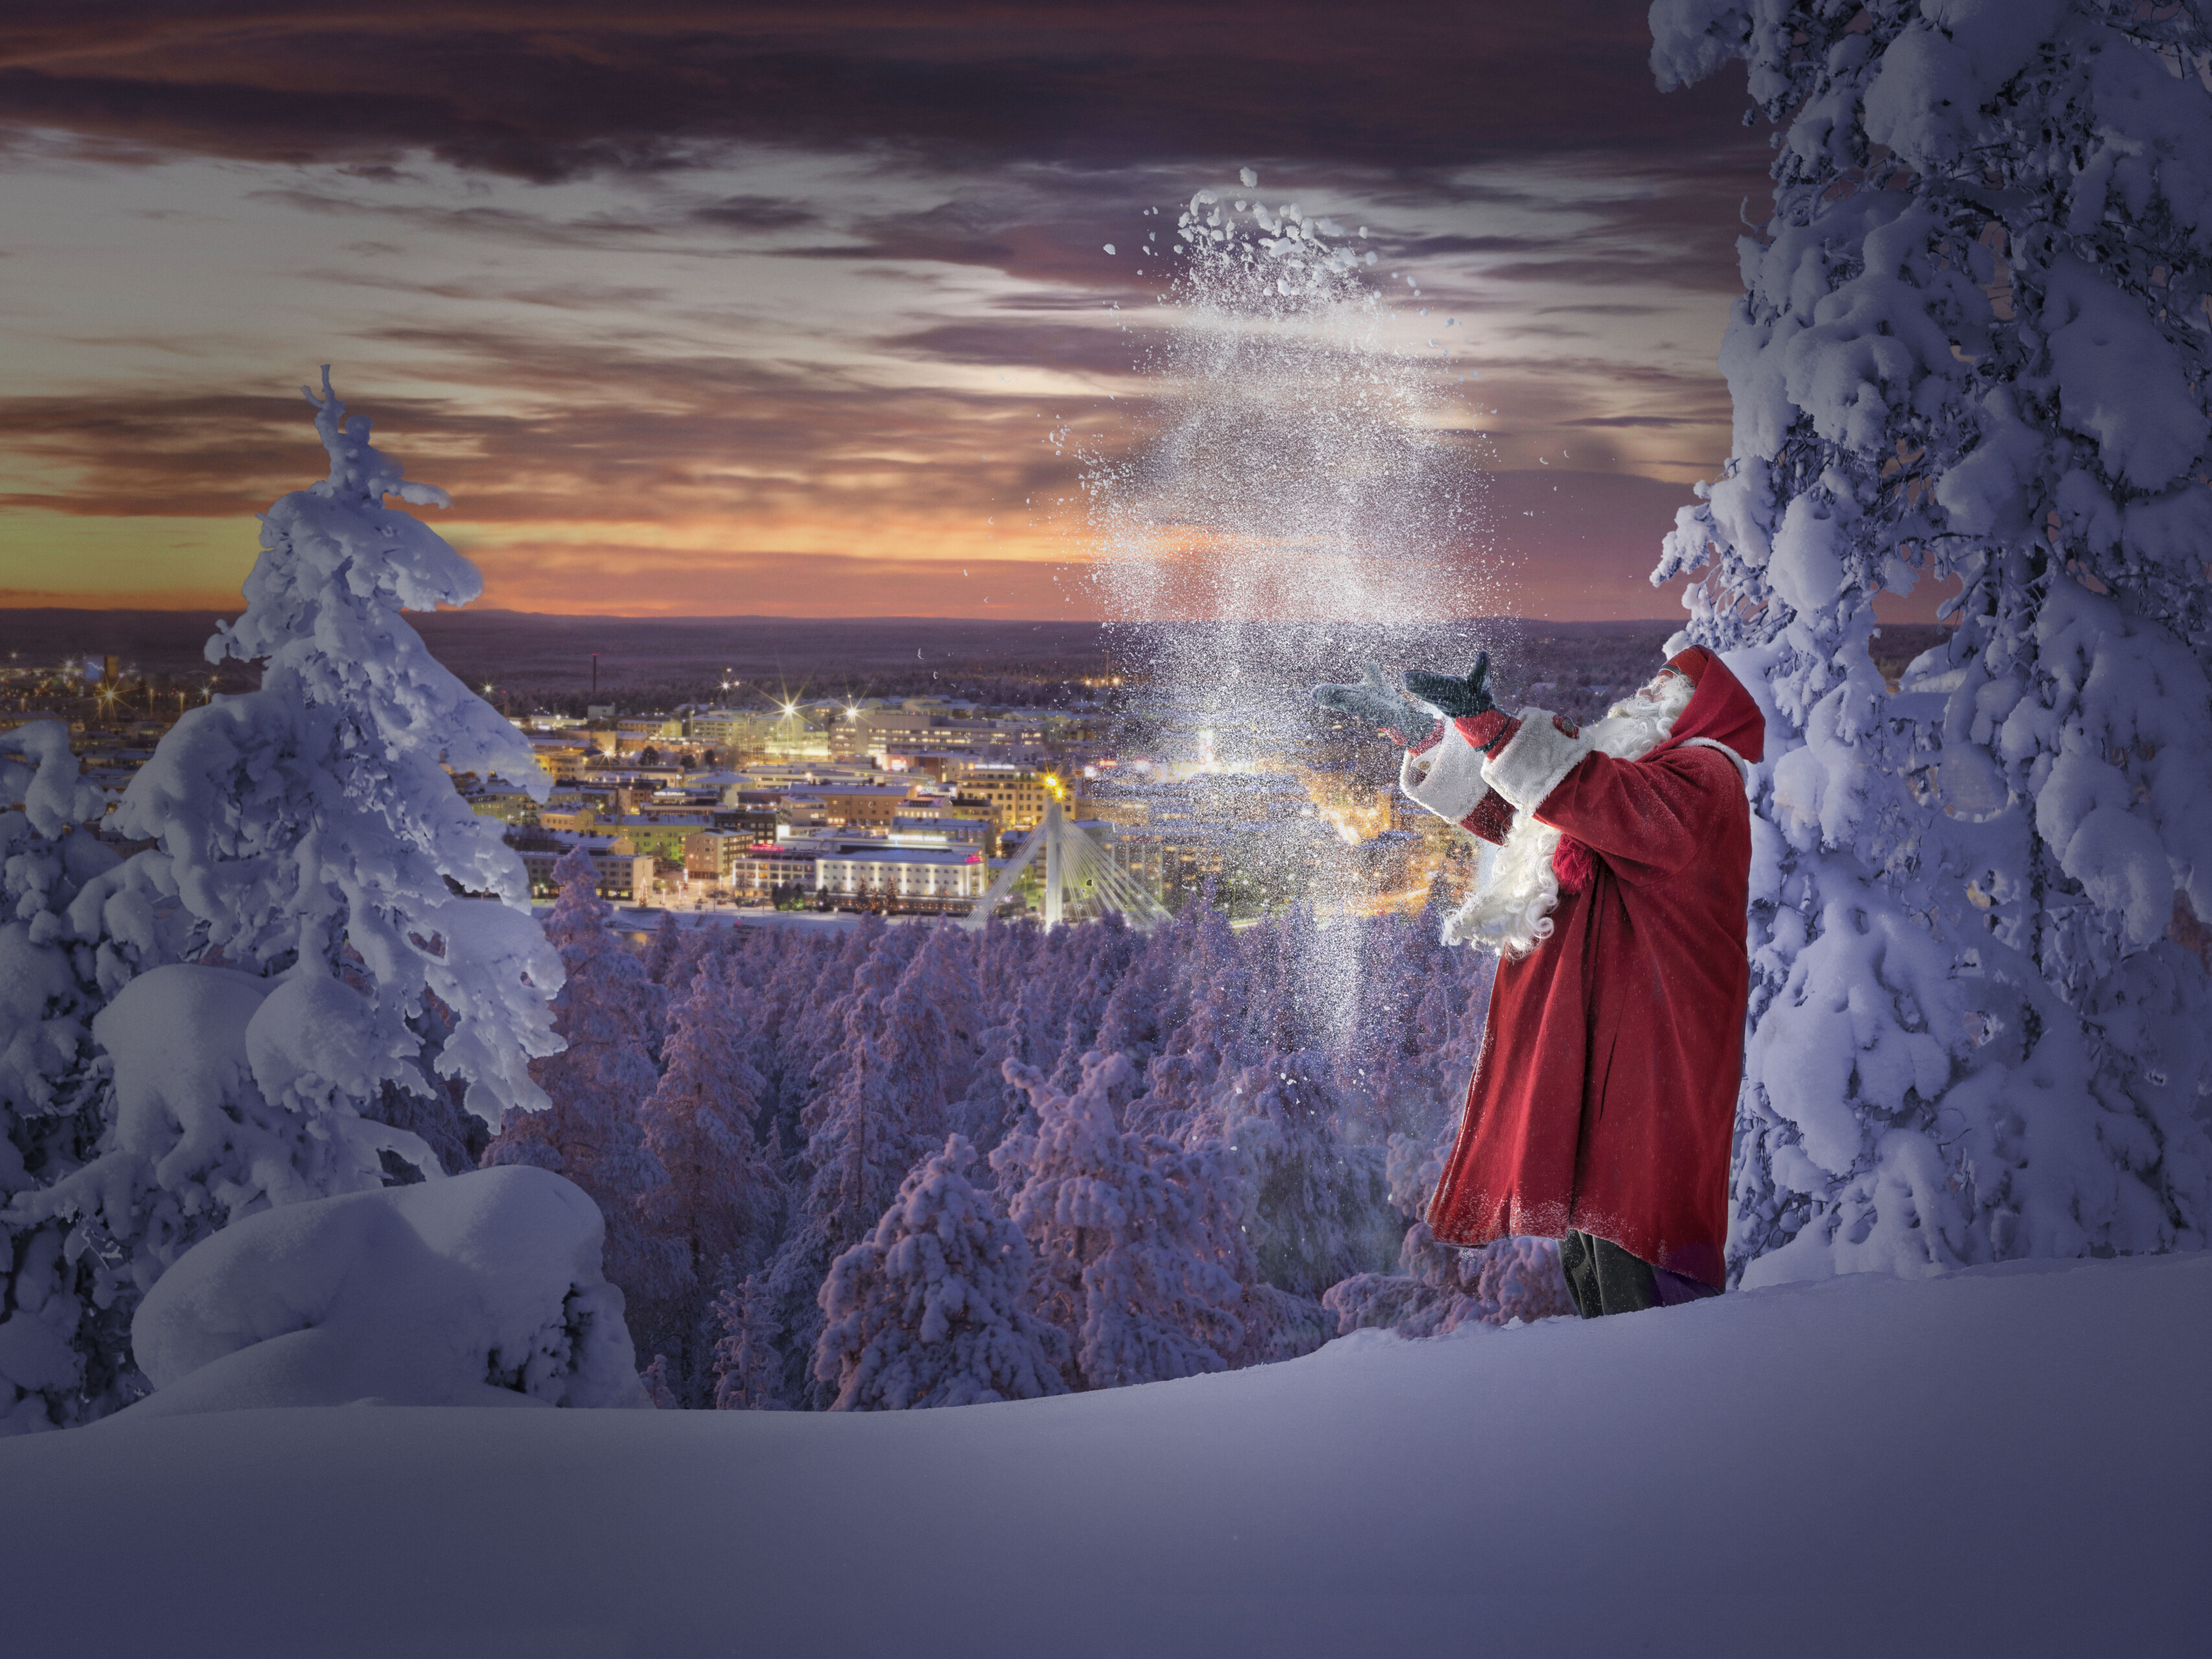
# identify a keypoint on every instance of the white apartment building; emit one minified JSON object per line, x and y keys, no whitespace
{"x":901,"y":873}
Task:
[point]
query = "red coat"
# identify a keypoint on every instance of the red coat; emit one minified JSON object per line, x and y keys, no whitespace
{"x":1604,"y":1096}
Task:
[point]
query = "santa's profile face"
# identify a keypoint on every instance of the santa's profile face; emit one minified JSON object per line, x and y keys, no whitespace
{"x":1641,"y":721}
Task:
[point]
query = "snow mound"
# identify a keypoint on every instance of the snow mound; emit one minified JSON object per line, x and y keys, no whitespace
{"x":482,"y":1289}
{"x":2004,"y":1464}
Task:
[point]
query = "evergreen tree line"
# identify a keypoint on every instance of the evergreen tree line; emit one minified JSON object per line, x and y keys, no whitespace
{"x":913,"y":1165}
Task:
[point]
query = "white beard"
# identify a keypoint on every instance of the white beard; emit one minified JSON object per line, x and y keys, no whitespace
{"x":1510,"y":910}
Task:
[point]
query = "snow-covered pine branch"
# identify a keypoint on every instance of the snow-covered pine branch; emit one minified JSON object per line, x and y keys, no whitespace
{"x":1973,"y":344}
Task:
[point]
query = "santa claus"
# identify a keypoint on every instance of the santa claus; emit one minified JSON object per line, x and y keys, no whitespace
{"x":1603,"y":1101}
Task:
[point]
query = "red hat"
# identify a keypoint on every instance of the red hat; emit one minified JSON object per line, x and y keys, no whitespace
{"x":1720,"y":709}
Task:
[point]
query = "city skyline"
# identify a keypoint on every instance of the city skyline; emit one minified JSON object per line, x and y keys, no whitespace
{"x":769,"y":316}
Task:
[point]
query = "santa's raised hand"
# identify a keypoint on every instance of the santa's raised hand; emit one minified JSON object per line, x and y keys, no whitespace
{"x":1398,"y":717}
{"x":1455,"y":699}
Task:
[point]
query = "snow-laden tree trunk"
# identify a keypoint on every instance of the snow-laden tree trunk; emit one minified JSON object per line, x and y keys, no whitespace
{"x":1973,"y":344}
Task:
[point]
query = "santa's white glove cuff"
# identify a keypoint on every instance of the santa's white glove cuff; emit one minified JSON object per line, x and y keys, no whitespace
{"x":1446,"y":777}
{"x":1536,"y":761}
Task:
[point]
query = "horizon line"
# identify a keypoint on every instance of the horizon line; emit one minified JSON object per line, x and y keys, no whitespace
{"x":757,"y":616}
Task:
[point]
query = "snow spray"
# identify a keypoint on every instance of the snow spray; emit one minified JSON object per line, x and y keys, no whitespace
{"x":1304,"y":495}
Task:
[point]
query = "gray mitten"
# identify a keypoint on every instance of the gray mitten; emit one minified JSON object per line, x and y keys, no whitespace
{"x":1404,"y":721}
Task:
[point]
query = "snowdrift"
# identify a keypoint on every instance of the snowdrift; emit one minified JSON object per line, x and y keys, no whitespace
{"x":481,"y":1289}
{"x":2011,"y":1461}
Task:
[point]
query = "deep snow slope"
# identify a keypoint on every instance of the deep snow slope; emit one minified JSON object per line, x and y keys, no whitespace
{"x":2014,"y":1461}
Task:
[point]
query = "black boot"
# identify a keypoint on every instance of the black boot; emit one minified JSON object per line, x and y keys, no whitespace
{"x":1604,"y":1279}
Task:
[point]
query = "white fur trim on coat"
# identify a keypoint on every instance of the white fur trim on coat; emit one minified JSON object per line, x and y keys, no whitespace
{"x":1530,"y":767}
{"x":1445,"y":777}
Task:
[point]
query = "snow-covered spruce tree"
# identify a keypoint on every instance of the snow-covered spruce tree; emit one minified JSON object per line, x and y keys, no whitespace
{"x":932,"y":1309}
{"x":1017,"y":968}
{"x":1087,"y":962}
{"x":845,"y":1007}
{"x":1138,"y":1255}
{"x":606,"y":1012}
{"x":1318,"y":1207}
{"x":935,"y":1010}
{"x":749,"y":1369}
{"x":674,"y":954}
{"x":341,"y":925}
{"x":62,"y":1333}
{"x":782,"y":972}
{"x":719,"y":1206}
{"x":1974,"y":345}
{"x":1203,"y":1024}
{"x":880,"y":1107}
{"x":795,"y":980}
{"x":312,"y":827}
{"x":1141,"y":1013}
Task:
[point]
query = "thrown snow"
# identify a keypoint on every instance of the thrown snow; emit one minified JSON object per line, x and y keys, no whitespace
{"x":2010,"y":1460}
{"x":481,"y":1289}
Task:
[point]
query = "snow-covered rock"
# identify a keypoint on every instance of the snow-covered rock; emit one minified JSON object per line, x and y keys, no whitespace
{"x":482,"y":1289}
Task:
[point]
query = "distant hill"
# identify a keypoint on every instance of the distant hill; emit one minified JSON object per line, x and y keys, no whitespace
{"x":526,"y":651}
{"x":1580,"y":666}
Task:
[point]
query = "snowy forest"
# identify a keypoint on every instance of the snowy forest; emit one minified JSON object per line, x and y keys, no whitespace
{"x":918,"y":1165}
{"x":909,"y":1166}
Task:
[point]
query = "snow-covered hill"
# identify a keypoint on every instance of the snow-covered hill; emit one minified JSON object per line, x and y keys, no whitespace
{"x":2012,"y":1461}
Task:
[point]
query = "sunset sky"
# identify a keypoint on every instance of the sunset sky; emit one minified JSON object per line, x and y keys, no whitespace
{"x":707,"y":310}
